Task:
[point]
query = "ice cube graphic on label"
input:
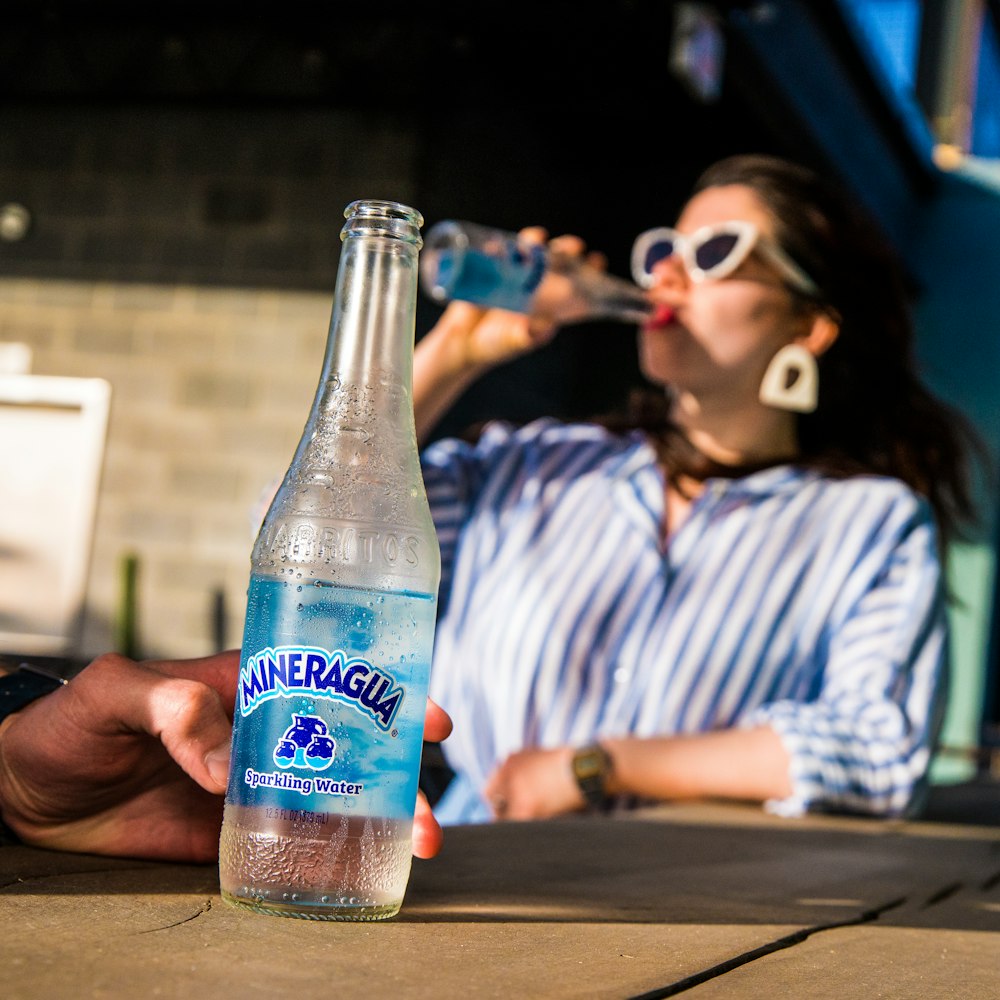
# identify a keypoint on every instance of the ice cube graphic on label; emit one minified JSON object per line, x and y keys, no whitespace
{"x":305,"y":743}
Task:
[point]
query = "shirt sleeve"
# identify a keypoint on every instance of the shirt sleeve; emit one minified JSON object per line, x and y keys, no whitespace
{"x":455,"y":472}
{"x":865,"y":744}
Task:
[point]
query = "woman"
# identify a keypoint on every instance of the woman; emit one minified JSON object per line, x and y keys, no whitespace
{"x":740,"y":598}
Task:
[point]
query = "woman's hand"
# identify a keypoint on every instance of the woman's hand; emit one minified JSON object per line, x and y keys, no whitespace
{"x":480,"y":339}
{"x":132,"y":759}
{"x":534,"y":784}
{"x":483,"y":338}
{"x":468,"y":340}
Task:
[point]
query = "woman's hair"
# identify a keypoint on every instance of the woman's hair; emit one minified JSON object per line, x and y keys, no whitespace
{"x":874,"y":413}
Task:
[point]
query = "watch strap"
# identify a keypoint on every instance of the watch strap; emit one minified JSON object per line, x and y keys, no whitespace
{"x":24,"y":685}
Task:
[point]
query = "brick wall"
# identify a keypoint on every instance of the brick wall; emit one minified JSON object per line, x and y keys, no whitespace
{"x":211,"y":387}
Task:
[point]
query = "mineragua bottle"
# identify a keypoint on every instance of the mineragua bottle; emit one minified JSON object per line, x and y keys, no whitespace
{"x":336,"y":654}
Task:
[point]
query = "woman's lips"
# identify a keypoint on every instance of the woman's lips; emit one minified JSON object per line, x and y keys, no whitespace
{"x":663,"y":315}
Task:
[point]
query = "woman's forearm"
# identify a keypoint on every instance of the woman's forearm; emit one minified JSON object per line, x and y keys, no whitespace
{"x":745,"y":764}
{"x":465,"y":343}
{"x":439,"y":379}
{"x":750,"y":764}
{"x":442,"y":370}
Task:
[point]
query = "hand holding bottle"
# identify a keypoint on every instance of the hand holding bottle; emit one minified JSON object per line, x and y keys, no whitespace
{"x":516,"y":271}
{"x":470,"y":339}
{"x":131,"y":759}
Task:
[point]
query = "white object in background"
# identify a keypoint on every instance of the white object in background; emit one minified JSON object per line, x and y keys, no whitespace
{"x":53,"y":432}
{"x":15,"y":358}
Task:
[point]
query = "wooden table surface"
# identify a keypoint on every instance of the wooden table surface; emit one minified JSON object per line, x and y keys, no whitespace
{"x":702,"y":900}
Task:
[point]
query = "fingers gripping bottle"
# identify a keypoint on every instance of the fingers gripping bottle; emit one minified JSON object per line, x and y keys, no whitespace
{"x":328,"y":726}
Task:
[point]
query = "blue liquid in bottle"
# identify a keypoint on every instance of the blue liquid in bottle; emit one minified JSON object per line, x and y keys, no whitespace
{"x":505,"y":280}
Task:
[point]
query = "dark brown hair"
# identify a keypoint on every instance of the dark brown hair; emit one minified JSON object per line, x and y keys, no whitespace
{"x":875,"y":415}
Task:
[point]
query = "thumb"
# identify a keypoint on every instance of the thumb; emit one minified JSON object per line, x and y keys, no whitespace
{"x":189,"y":719}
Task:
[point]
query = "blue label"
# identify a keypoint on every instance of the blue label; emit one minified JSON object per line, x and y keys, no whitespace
{"x":330,"y":699}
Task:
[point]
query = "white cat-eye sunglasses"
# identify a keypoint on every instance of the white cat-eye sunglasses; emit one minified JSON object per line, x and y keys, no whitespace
{"x":713,"y":252}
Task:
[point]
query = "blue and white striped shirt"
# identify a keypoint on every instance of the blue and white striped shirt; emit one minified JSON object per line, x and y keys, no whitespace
{"x":811,"y":604}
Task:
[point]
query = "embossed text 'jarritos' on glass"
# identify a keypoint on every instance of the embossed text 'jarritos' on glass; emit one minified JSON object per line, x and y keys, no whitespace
{"x":494,"y":268}
{"x":336,"y":655}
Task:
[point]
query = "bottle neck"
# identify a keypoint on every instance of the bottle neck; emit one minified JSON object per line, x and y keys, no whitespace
{"x":352,"y":508}
{"x":372,"y":326}
{"x":363,"y":410}
{"x":595,"y":295}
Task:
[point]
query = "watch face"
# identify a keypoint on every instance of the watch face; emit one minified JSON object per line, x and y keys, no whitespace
{"x":588,"y":765}
{"x":591,"y":766}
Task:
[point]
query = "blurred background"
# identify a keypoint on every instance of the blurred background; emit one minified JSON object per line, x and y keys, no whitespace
{"x":172,"y":187}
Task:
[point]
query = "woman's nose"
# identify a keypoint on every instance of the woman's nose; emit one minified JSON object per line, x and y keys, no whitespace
{"x":670,"y":272}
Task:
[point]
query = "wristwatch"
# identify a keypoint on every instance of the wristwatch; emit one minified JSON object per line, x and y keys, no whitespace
{"x":591,"y":769}
{"x":24,"y":685}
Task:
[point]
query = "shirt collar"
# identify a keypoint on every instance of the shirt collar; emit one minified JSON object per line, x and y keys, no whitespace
{"x":636,"y":461}
{"x":639,"y":469}
{"x":772,"y":481}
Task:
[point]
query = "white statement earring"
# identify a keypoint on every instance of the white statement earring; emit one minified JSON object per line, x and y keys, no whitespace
{"x":791,"y":381}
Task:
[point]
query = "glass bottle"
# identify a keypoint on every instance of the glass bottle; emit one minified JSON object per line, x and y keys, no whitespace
{"x":491,"y":267}
{"x":336,"y":655}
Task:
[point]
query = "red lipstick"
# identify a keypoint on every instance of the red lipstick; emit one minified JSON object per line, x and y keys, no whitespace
{"x":663,"y":315}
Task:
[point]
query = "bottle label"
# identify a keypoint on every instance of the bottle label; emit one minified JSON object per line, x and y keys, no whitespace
{"x":331,"y":698}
